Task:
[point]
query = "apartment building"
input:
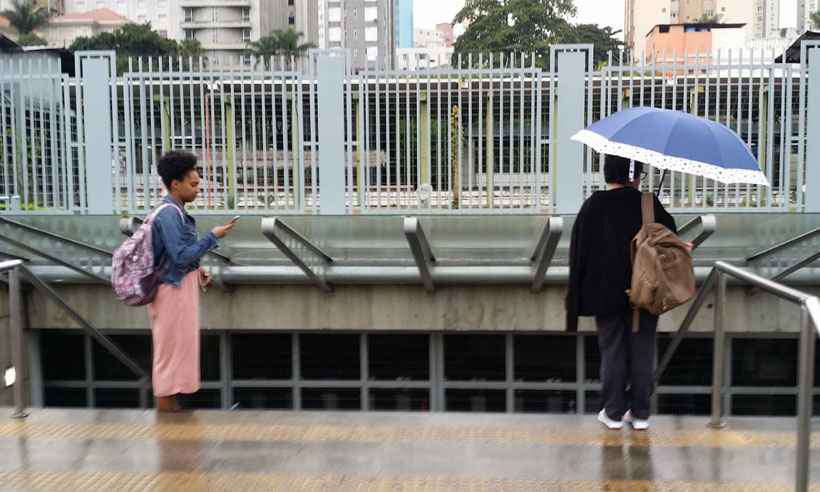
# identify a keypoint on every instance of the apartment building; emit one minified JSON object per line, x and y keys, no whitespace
{"x":804,"y":10}
{"x":365,"y":27}
{"x":223,"y":27}
{"x":403,"y":17}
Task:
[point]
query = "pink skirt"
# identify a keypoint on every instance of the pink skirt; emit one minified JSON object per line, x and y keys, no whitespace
{"x":174,"y":318}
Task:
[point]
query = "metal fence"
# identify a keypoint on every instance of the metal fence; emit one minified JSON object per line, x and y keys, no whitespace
{"x":484,"y":133}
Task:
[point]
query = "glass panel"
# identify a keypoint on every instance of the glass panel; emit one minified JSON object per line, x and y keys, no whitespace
{"x":592,"y":359}
{"x":62,"y":355}
{"x":545,"y":358}
{"x":267,"y":356}
{"x":691,"y":365}
{"x":684,"y":404}
{"x":269,"y":398}
{"x":331,"y":399}
{"x":399,"y":357}
{"x":65,"y":397}
{"x":458,"y":400}
{"x":116,"y":398}
{"x":209,"y":358}
{"x":330,"y":356}
{"x":474,"y":357}
{"x":108,"y":368}
{"x":764,"y":362}
{"x":531,"y":401}
{"x":765,"y":405}
{"x":202,"y":399}
{"x":400,"y":399}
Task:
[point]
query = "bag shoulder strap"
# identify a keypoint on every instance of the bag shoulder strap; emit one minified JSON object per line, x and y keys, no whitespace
{"x":648,"y":208}
{"x":156,"y":212}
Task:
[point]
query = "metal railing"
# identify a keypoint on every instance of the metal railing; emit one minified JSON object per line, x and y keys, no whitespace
{"x":809,"y":326}
{"x":17,"y":272}
{"x":478,"y":133}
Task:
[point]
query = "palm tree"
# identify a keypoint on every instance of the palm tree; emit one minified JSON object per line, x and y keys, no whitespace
{"x":279,"y":43}
{"x":26,"y":16}
{"x":815,"y":19}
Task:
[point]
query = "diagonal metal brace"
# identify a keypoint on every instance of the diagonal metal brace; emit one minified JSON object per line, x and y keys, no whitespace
{"x":92,"y":331}
{"x":272,"y":227}
{"x":708,"y":225}
{"x":794,"y":267}
{"x":69,"y":265}
{"x":544,"y":251}
{"x":130,"y":225}
{"x":420,"y":248}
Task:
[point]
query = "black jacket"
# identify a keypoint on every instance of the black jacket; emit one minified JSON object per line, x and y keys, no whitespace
{"x":600,"y":266}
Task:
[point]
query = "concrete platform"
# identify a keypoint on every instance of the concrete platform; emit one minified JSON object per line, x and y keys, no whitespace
{"x":241,"y":451}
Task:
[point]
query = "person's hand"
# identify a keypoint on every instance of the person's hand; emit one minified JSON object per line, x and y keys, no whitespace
{"x":221,"y":231}
{"x":204,"y":278}
{"x":690,"y":246}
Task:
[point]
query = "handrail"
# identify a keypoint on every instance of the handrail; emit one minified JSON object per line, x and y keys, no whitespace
{"x":809,"y":328}
{"x":58,"y":237}
{"x":708,"y":225}
{"x":17,"y":271}
{"x":781,"y":246}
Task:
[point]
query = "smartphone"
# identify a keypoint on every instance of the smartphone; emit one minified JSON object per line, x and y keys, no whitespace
{"x":236,"y":218}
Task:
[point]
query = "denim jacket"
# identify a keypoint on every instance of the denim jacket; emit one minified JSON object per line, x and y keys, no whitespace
{"x":177,"y":249}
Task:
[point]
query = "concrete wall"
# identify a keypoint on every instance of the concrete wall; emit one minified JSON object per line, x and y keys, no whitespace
{"x":397,"y":308}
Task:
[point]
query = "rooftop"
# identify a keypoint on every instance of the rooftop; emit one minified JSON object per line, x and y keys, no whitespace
{"x":100,"y":16}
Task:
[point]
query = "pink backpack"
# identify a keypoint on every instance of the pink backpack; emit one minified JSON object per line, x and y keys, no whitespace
{"x":133,"y":276}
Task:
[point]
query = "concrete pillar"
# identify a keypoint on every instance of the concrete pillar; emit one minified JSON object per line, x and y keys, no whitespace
{"x":813,"y":134}
{"x":98,"y":159}
{"x":331,"y":76}
{"x":568,"y":167}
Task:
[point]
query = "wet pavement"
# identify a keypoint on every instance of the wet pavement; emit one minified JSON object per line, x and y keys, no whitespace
{"x":241,"y":451}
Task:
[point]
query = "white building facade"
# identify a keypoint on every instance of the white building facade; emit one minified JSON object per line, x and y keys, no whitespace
{"x":365,"y":27}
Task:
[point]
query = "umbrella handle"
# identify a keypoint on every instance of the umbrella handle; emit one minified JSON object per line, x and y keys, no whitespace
{"x":660,"y":185}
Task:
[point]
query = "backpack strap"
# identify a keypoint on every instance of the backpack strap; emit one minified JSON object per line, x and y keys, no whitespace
{"x":648,"y":208}
{"x":156,"y":212}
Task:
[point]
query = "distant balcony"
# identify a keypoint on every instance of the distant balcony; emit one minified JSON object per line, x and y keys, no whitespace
{"x":225,"y":45}
{"x":215,"y":3}
{"x":219,"y":24}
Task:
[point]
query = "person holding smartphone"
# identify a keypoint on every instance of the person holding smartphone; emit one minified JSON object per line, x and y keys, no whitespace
{"x":174,"y":312}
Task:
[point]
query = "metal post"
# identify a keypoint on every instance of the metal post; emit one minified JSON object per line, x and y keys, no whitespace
{"x":331,"y":135}
{"x":719,"y":355}
{"x":97,"y":105}
{"x":568,"y":166}
{"x":16,"y":323}
{"x":805,"y":400}
{"x":812,"y":168}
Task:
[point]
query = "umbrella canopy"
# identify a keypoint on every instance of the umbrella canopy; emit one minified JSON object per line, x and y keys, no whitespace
{"x":675,"y":141}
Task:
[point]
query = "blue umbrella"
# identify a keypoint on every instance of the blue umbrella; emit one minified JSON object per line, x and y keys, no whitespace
{"x":675,"y":141}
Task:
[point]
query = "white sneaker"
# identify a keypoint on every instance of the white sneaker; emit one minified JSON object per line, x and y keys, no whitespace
{"x":608,"y":422}
{"x":637,"y":424}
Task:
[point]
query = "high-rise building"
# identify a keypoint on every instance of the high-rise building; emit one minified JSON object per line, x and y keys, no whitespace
{"x":403,"y":18}
{"x":446,"y":30}
{"x":365,"y":27}
{"x":804,"y":11}
{"x":429,"y":38}
{"x":224,"y":28}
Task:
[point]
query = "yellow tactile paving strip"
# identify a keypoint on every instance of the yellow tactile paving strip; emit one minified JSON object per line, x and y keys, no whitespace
{"x":192,"y":481}
{"x":395,"y":434}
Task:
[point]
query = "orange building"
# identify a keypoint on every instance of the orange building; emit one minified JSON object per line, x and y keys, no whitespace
{"x":693,"y":42}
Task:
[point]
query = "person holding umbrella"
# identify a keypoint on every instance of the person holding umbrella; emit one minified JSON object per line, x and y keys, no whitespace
{"x":600,"y":261}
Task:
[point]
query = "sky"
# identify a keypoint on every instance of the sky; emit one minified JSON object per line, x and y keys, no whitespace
{"x":427,"y":13}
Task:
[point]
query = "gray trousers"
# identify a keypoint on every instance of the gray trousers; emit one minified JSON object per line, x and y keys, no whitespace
{"x":627,"y":363}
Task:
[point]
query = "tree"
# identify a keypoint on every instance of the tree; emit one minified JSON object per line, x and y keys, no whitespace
{"x":31,"y":39}
{"x":527,"y":26}
{"x":279,"y":43}
{"x":603,"y":38}
{"x":815,"y":19}
{"x":518,"y":26}
{"x":130,"y":40}
{"x":190,"y":47}
{"x":25,"y":16}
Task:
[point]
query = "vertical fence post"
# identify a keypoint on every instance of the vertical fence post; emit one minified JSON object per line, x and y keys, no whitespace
{"x":719,"y":353}
{"x":813,"y":134}
{"x":19,"y":343}
{"x":98,"y":160}
{"x":331,"y":77}
{"x":568,"y":168}
{"x":489,"y":146}
{"x":805,"y":404}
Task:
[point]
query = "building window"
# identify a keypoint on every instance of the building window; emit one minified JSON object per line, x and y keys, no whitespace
{"x":372,"y":53}
{"x":334,"y":34}
{"x":190,"y":34}
{"x":246,"y":15}
{"x":290,"y":3}
{"x":246,"y":35}
{"x":371,"y":34}
{"x":371,"y":14}
{"x":334,"y":15}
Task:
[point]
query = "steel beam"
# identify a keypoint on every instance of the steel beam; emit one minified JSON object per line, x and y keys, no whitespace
{"x":545,"y":250}
{"x":67,"y":264}
{"x":422,"y":253}
{"x":708,"y":226}
{"x":272,"y":226}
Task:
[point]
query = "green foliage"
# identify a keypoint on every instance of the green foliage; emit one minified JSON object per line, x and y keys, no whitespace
{"x":31,"y":39}
{"x":279,"y":43}
{"x":134,"y":41}
{"x":25,"y":16}
{"x":710,"y":18}
{"x":815,"y":19}
{"x":526,"y":26}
